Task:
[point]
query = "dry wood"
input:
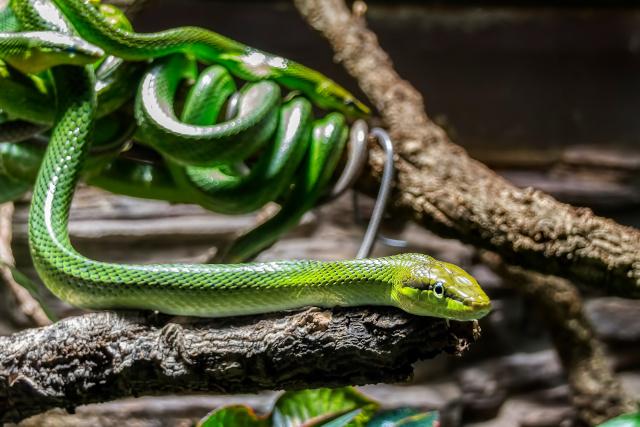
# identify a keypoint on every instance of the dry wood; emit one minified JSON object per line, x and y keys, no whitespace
{"x":596,"y":392}
{"x":20,"y":302}
{"x":104,"y":356}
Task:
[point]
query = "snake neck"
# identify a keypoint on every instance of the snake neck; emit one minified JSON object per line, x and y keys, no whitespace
{"x":347,"y":283}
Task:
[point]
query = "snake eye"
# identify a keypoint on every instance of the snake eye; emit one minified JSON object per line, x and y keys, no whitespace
{"x":71,"y":50}
{"x":438,"y":289}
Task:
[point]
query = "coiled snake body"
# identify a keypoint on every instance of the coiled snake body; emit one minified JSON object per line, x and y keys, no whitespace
{"x":416,"y":283}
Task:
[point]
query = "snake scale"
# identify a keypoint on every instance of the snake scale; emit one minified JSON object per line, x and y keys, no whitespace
{"x":415,"y":283}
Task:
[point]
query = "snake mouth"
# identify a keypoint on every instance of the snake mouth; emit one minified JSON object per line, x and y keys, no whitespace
{"x":477,"y":308}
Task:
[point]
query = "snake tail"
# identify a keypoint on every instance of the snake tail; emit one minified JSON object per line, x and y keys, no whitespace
{"x":245,"y":62}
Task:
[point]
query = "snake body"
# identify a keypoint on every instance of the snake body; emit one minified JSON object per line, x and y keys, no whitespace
{"x":245,"y":62}
{"x":415,"y":283}
{"x":34,"y":52}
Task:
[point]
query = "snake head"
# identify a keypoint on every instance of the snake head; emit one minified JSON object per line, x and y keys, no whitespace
{"x":71,"y":50}
{"x":332,"y":96}
{"x":253,"y":64}
{"x":427,"y":287}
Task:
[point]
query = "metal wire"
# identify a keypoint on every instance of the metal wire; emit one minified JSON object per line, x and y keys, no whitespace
{"x":385,"y":186}
{"x":395,"y":243}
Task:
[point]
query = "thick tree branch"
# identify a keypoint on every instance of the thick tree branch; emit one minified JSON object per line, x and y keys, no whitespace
{"x":104,"y":356}
{"x":439,"y":186}
{"x":596,"y":392}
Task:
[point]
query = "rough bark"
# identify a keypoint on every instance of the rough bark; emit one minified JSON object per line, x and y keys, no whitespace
{"x":440,"y":187}
{"x":104,"y":356}
{"x":596,"y":392}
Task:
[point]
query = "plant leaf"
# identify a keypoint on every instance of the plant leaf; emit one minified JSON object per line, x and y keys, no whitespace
{"x":335,"y":419}
{"x":234,"y":415}
{"x":343,"y":420}
{"x":11,"y":189}
{"x":294,"y":409}
{"x":405,"y":417}
{"x":626,"y":420}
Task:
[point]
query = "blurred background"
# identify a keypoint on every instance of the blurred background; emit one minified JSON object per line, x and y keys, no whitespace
{"x":545,"y":93}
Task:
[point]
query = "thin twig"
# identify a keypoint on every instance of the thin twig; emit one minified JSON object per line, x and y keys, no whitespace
{"x":26,"y":303}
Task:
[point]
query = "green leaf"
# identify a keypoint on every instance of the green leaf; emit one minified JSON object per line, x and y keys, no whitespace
{"x":335,"y":419}
{"x":343,"y":420}
{"x":405,"y":417}
{"x":626,"y":420}
{"x":11,"y":189}
{"x":234,"y":415}
{"x":293,"y":409}
{"x":306,"y":408}
{"x":26,"y":283}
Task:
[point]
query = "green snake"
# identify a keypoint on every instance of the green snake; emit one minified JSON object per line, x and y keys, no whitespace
{"x":415,"y":283}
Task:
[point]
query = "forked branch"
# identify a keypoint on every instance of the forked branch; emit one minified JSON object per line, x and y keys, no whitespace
{"x":440,"y":187}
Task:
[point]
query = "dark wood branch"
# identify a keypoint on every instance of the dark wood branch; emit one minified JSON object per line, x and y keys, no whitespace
{"x":596,"y":392}
{"x":440,"y":187}
{"x":107,"y":355}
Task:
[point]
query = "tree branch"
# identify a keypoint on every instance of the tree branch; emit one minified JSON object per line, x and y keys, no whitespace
{"x":19,"y":301}
{"x":107,"y":355}
{"x":440,"y":187}
{"x":597,"y":393}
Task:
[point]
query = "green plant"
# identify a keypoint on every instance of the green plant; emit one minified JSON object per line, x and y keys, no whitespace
{"x":321,"y":407}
